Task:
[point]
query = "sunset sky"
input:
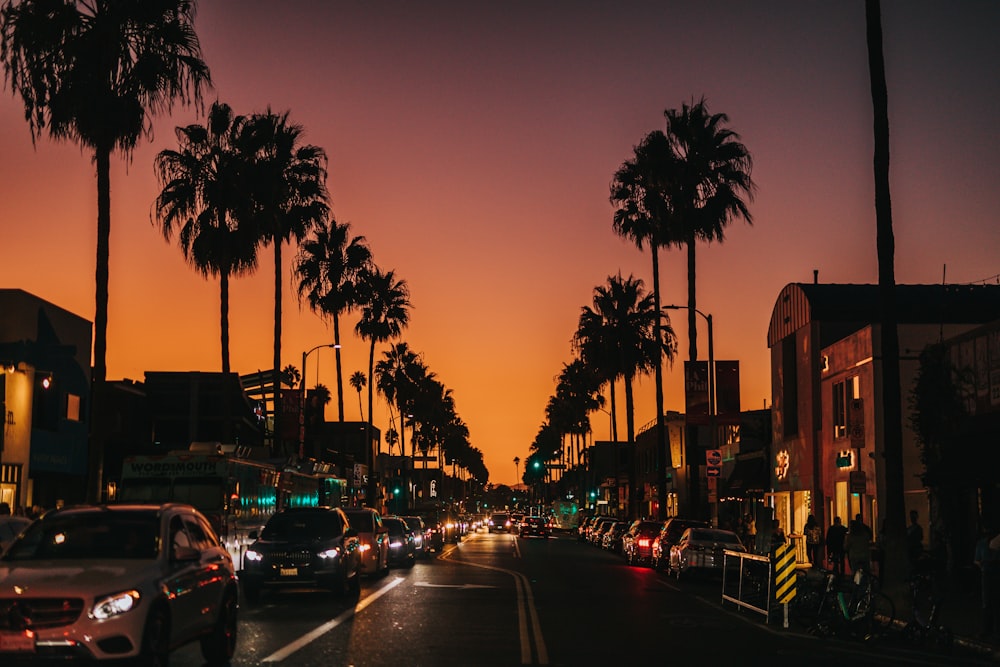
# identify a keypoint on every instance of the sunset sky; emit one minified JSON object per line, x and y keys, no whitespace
{"x":473,"y":144}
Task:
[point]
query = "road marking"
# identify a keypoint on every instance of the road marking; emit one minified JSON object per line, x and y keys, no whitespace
{"x":430,"y":585}
{"x":312,"y":636}
{"x":525,"y":611}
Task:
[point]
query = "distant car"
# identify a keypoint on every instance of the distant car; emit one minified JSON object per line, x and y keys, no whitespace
{"x":515,"y":521}
{"x":421,"y":535}
{"x":612,"y":540}
{"x":499,"y":523}
{"x":10,"y":527}
{"x":402,"y":550}
{"x":374,"y":539}
{"x":637,"y":542}
{"x":597,"y":532}
{"x":117,"y":582}
{"x":303,"y":546}
{"x":672,"y":530}
{"x":702,"y":549}
{"x":534,"y":525}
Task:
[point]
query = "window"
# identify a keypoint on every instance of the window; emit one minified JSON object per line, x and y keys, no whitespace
{"x":839,"y":409}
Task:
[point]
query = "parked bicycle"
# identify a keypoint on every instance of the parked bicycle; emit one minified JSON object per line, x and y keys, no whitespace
{"x":925,"y":627}
{"x":856,"y":609}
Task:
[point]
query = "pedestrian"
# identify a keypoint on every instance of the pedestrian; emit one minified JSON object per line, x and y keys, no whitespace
{"x":835,"y":535}
{"x":878,"y":554}
{"x":4,"y":508}
{"x":776,"y":538}
{"x":858,"y":545}
{"x":914,"y":540}
{"x":814,"y":541}
{"x":987,"y":560}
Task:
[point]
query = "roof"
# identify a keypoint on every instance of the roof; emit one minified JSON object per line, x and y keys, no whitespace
{"x":798,"y":304}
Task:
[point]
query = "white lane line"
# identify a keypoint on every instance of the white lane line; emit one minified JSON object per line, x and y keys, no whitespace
{"x":312,"y":636}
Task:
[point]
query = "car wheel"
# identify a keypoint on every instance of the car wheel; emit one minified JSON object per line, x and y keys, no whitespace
{"x":411,"y":560}
{"x":155,"y":649}
{"x":219,"y":647}
{"x":384,"y":572}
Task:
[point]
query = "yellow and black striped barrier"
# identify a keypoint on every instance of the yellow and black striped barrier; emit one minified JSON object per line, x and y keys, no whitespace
{"x":784,"y":576}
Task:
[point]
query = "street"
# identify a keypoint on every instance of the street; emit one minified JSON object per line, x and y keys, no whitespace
{"x":503,"y":600}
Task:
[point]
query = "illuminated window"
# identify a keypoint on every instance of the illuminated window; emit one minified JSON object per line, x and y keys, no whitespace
{"x":72,"y":407}
{"x":839,"y":409}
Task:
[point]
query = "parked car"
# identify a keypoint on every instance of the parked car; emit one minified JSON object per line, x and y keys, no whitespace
{"x":402,"y":550}
{"x":597,"y":532}
{"x":114,"y":582}
{"x":533,"y":525}
{"x":702,"y":549}
{"x":10,"y":527}
{"x":612,"y":540}
{"x":421,"y":535}
{"x":499,"y":523}
{"x":303,"y":546}
{"x":637,"y":542}
{"x":583,"y":529}
{"x":374,"y":539}
{"x":671,"y":532}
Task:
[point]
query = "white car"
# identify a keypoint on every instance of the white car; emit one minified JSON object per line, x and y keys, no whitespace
{"x":117,"y":581}
{"x":703,"y":549}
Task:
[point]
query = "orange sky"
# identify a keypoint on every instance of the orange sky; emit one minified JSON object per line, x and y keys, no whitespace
{"x":472,"y":144}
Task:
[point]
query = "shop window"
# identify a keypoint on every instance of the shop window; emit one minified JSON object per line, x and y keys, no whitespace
{"x":839,"y":409}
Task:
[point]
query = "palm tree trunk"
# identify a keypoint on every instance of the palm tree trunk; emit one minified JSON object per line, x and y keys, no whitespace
{"x":614,"y":413}
{"x":662,"y":450}
{"x":277,"y":343}
{"x":336,"y":354}
{"x":633,"y":500}
{"x":691,"y":448}
{"x":372,"y":487}
{"x":224,"y":318}
{"x":102,"y":157}
{"x":895,"y":520}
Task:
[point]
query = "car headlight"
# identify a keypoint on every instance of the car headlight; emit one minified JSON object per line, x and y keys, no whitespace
{"x":364,"y":547}
{"x":253,"y":556}
{"x":115,"y":604}
{"x":395,"y":544}
{"x":330,"y":553}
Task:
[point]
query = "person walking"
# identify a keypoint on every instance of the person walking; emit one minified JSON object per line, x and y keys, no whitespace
{"x":814,"y":541}
{"x":835,"y":535}
{"x":858,"y":546}
{"x":914,"y":541}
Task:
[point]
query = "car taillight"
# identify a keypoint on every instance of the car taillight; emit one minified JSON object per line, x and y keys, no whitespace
{"x":643,"y":541}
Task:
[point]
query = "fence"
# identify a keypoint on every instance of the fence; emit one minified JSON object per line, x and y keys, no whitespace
{"x":747,"y":581}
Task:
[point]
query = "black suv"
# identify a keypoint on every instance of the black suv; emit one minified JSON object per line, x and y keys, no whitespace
{"x":303,"y":546}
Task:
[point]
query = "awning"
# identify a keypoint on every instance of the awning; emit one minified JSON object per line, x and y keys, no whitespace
{"x":749,"y":476}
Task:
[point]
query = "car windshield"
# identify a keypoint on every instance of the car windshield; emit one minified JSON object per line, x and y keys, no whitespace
{"x":413,"y":522}
{"x":363,"y":522}
{"x":713,"y":536}
{"x":498,"y":519}
{"x":88,"y":535}
{"x":321,"y":525}
{"x":395,"y":526}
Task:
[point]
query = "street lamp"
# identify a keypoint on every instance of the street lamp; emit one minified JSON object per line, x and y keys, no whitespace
{"x":302,"y":397}
{"x":713,"y":436}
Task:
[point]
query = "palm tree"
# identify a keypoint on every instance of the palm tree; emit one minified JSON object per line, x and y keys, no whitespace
{"x":628,"y":321}
{"x":397,"y":376}
{"x":203,"y":200}
{"x":95,"y":73}
{"x":328,"y":264}
{"x":358,"y":380}
{"x":895,"y":520}
{"x":289,"y":196}
{"x":385,"y":312}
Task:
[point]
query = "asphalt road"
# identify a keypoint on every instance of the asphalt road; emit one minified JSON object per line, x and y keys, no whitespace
{"x":503,"y":600}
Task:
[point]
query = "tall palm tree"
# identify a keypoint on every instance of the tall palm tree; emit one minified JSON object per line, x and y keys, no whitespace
{"x":396,"y":377}
{"x":95,"y":73}
{"x":289,"y":196}
{"x":203,"y":200}
{"x":385,"y":312}
{"x":628,"y":320}
{"x":358,"y":380}
{"x":328,"y":264}
{"x":709,"y":188}
{"x":895,"y":520}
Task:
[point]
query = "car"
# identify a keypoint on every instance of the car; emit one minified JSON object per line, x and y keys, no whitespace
{"x":612,"y":540}
{"x":402,"y":550}
{"x":534,"y":525}
{"x":672,"y":530}
{"x":597,"y":532}
{"x":637,"y":542}
{"x":10,"y":527}
{"x":313,"y":547}
{"x":374,"y":539}
{"x":444,"y":529}
{"x":421,"y":535}
{"x":515,"y":521}
{"x":499,"y":522}
{"x":117,"y":582}
{"x":703,"y":549}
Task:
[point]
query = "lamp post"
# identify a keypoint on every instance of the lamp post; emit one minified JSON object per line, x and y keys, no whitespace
{"x":713,"y":436}
{"x":302,"y":397}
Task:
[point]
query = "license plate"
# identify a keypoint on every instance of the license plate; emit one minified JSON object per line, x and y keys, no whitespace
{"x":17,"y":642}
{"x":289,"y":571}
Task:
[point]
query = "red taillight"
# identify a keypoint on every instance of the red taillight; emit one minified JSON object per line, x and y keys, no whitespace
{"x":643,"y":541}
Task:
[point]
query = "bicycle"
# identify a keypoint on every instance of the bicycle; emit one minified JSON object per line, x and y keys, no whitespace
{"x":861,"y":611}
{"x":925,"y":626}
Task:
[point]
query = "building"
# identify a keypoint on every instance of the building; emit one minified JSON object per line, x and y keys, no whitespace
{"x":826,"y":454}
{"x":45,"y":395}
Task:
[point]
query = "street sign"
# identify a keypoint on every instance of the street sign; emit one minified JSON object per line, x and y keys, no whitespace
{"x":856,"y":419}
{"x":858,"y":482}
{"x":712,"y":471}
{"x":713,"y":457}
